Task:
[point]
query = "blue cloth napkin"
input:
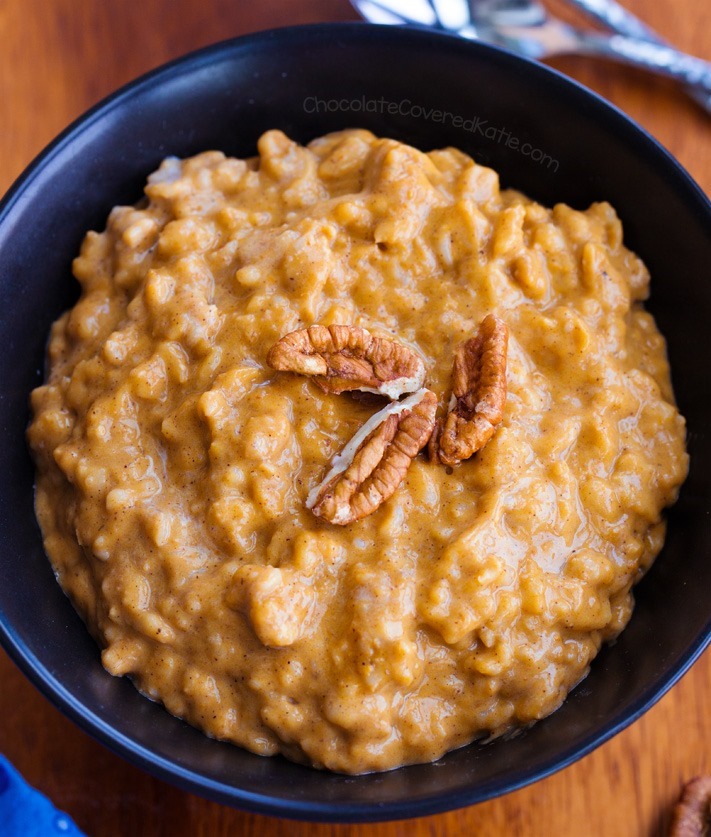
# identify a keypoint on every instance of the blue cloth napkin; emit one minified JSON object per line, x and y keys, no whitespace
{"x":25,"y":812}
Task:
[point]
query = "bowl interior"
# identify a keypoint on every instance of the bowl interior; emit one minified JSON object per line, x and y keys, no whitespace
{"x":547,"y":137}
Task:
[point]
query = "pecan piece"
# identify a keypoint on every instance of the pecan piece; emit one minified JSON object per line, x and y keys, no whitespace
{"x":692,"y":814}
{"x":373,"y":464}
{"x":342,"y":358}
{"x":478,"y":394}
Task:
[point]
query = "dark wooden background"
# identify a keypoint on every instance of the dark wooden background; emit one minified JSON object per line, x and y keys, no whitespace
{"x":58,"y":57}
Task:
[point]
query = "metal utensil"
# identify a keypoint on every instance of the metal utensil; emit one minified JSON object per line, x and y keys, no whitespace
{"x":620,"y":20}
{"x":525,"y":27}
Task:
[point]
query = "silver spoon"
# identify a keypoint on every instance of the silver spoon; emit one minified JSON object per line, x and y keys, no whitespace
{"x":525,"y":27}
{"x":620,"y":20}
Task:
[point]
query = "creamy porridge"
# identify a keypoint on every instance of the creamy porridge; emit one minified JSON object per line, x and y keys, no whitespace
{"x":182,"y":478}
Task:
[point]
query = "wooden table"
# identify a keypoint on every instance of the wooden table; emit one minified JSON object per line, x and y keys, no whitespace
{"x":58,"y":57}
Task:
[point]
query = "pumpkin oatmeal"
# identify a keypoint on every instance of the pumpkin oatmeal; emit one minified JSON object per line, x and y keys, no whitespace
{"x":233,"y":479}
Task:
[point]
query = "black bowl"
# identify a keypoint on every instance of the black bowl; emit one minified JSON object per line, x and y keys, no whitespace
{"x":547,"y":136}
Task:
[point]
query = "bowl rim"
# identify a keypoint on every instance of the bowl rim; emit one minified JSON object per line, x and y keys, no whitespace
{"x":223,"y":792}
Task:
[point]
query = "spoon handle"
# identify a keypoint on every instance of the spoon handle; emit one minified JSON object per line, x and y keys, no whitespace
{"x":658,"y":57}
{"x":618,"y":19}
{"x":611,"y":14}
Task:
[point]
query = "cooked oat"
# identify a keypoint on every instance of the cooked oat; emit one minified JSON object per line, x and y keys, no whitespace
{"x":174,"y":464}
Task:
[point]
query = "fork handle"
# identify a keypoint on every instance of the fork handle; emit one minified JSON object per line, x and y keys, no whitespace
{"x":618,"y":19}
{"x":657,"y":57}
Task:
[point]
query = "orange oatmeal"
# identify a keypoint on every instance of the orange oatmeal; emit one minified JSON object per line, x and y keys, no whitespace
{"x":182,"y":479}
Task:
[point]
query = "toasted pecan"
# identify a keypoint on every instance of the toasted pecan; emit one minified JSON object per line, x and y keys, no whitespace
{"x":373,"y":464}
{"x":692,"y":814}
{"x":343,"y":358}
{"x":478,"y":394}
{"x":433,"y":444}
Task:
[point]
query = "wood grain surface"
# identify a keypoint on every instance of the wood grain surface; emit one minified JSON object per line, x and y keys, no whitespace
{"x":58,"y":57}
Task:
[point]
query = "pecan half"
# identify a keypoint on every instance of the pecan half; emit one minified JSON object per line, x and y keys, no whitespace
{"x":373,"y":464}
{"x":692,"y":814}
{"x":478,"y":394}
{"x":342,"y":358}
